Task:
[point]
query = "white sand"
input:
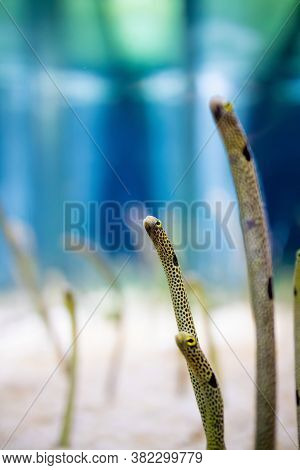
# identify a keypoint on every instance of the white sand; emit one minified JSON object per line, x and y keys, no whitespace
{"x":149,"y":412}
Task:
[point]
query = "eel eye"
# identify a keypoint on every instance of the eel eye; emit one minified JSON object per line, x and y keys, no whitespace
{"x":228,"y":107}
{"x":158,"y":223}
{"x":191,"y":341}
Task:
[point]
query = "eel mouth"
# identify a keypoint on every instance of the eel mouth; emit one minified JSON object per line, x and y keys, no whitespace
{"x":149,"y":223}
{"x":219,"y":106}
{"x":179,"y":338}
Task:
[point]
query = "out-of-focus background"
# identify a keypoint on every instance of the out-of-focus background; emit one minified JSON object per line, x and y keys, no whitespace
{"x":106,"y":102}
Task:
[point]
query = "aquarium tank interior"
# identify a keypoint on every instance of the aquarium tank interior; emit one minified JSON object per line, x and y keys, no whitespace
{"x":149,"y":224}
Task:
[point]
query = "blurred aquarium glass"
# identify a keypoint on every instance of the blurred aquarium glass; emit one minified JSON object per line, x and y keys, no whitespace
{"x":108,"y":101}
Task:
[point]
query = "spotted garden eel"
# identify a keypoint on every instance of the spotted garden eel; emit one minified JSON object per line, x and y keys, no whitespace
{"x":204,"y":382}
{"x":259,"y":264}
{"x":297,"y":336}
{"x":206,"y":385}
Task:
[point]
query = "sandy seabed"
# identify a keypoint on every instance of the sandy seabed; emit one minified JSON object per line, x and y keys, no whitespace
{"x":154,"y":406}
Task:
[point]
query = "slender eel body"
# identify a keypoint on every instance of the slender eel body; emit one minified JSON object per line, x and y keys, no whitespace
{"x":206,"y":383}
{"x":67,"y":423}
{"x":105,"y":271}
{"x":259,"y":264}
{"x":196,"y":289}
{"x":297,"y":336}
{"x":214,"y":428}
{"x":27,"y":268}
